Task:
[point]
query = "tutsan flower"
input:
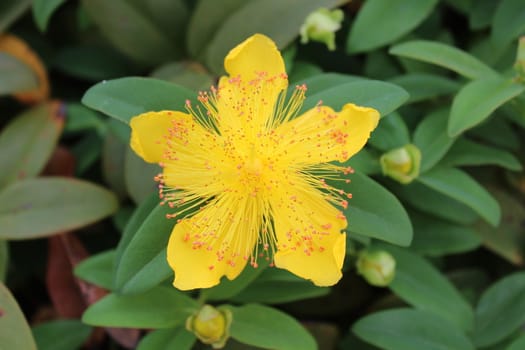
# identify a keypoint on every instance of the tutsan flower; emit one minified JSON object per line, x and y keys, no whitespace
{"x":247,"y":177}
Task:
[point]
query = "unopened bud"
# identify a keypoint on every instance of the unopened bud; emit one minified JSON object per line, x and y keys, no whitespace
{"x":211,"y":325}
{"x":402,"y":164}
{"x":377,"y":267}
{"x":321,"y":26}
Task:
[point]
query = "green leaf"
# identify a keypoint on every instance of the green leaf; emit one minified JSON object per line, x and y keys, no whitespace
{"x":365,"y":162}
{"x":128,"y":97}
{"x":459,"y":185}
{"x":80,"y":118}
{"x":376,"y":26}
{"x":97,"y":269}
{"x":138,"y":176}
{"x":276,"y":286}
{"x":302,"y":70}
{"x":507,"y":239}
{"x":435,"y":237}
{"x":445,"y":56}
{"x":178,"y":338}
{"x":265,"y":327}
{"x":477,"y":100}
{"x":466,"y":152}
{"x":92,"y":63}
{"x":188,"y":74}
{"x":43,"y":10}
{"x":200,"y":31}
{"x":508,"y":22}
{"x":388,"y":222}
{"x":61,"y":335}
{"x":114,"y":150}
{"x":142,"y":263}
{"x":319,"y":83}
{"x":44,"y":206}
{"x":133,"y":31}
{"x":10,"y":11}
{"x":432,"y":139}
{"x":15,"y":75}
{"x":420,"y":284}
{"x":229,"y":288}
{"x":28,"y":141}
{"x":14,"y":330}
{"x":501,"y":310}
{"x":4,"y":259}
{"x":424,"y":86}
{"x":481,"y":14}
{"x":160,"y":307}
{"x":406,"y":329}
{"x":518,"y":344}
{"x":391,"y":133}
{"x":498,"y":132}
{"x":384,"y":97}
{"x":263,"y":19}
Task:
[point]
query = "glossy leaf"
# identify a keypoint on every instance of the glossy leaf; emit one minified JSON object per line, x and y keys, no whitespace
{"x":432,"y":139}
{"x":388,"y":222}
{"x":92,"y":63}
{"x":199,"y":32}
{"x":397,"y":18}
{"x":508,"y":22}
{"x":160,"y":307}
{"x":384,"y":97}
{"x":477,"y":100}
{"x":15,"y":76}
{"x":28,"y":141}
{"x":142,"y":263}
{"x":391,"y":133}
{"x":436,"y":237}
{"x":501,"y":310}
{"x":139,"y":176}
{"x":178,"y":338}
{"x":420,"y":284}
{"x":518,"y":344}
{"x":43,"y":10}
{"x":466,"y":152}
{"x":97,"y":269}
{"x":133,"y":30}
{"x":460,"y":186}
{"x":44,"y":206}
{"x":14,"y":330}
{"x":265,"y":327}
{"x":128,"y":97}
{"x":482,"y":13}
{"x":61,"y":335}
{"x":435,"y":203}
{"x":236,"y":28}
{"x":410,"y":330}
{"x":276,"y":286}
{"x":445,"y":56}
{"x":424,"y":86}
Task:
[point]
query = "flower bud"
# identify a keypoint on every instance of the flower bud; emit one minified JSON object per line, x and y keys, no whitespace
{"x":402,"y":164}
{"x":321,"y":26}
{"x":211,"y":325}
{"x":378,"y":267}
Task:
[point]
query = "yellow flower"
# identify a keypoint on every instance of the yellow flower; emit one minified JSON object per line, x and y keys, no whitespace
{"x":256,"y":173}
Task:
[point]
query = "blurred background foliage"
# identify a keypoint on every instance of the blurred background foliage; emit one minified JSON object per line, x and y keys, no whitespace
{"x":437,"y":219}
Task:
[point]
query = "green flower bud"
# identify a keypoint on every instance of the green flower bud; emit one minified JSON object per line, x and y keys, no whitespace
{"x":402,"y":164}
{"x":211,"y":325}
{"x":321,"y":26}
{"x":377,"y":267}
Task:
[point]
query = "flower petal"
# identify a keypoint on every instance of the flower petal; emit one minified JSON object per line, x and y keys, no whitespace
{"x":149,"y":131}
{"x":215,"y":242}
{"x":256,"y":54}
{"x":308,"y":230}
{"x":322,"y":135}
